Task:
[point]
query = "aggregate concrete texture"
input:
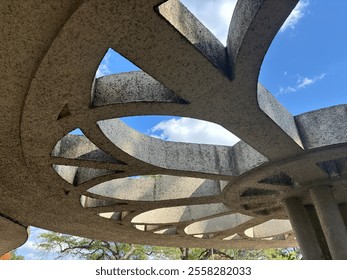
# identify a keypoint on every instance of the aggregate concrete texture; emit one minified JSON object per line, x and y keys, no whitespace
{"x":113,"y":183}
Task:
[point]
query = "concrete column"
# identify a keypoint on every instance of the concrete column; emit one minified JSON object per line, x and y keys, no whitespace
{"x":331,"y":221}
{"x":312,"y":214}
{"x":305,"y":234}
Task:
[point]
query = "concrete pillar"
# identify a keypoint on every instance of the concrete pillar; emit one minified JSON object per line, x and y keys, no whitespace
{"x":305,"y":234}
{"x":312,"y":214}
{"x":331,"y":221}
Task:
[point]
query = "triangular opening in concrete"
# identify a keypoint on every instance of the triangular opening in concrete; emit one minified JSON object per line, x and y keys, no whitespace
{"x":215,"y":15}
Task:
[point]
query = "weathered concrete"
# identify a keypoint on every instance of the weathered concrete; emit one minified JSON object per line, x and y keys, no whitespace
{"x":192,"y":195}
{"x":12,"y":234}
{"x":331,"y":220}
{"x":304,"y":231}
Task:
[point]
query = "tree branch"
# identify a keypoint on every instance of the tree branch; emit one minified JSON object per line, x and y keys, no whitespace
{"x":127,"y":255}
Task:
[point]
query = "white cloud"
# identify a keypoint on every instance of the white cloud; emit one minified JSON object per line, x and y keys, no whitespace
{"x":288,"y":89}
{"x":194,"y":131}
{"x":215,"y":15}
{"x":301,"y":83}
{"x":305,"y":81}
{"x":295,"y":15}
{"x":104,"y":67}
{"x":29,"y":245}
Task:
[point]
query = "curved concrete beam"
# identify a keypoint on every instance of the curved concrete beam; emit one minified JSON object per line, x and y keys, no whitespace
{"x":13,"y":235}
{"x":50,"y":89}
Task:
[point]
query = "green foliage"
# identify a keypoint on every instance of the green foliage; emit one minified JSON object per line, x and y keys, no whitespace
{"x":162,"y":253}
{"x":240,"y":254}
{"x":67,"y":246}
{"x":14,"y":256}
{"x":282,"y":254}
{"x":83,"y":248}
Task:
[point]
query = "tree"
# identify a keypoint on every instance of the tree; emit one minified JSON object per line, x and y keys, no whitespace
{"x":241,"y":254}
{"x":67,"y":246}
{"x":14,"y":256}
{"x":83,"y":248}
{"x":11,"y":256}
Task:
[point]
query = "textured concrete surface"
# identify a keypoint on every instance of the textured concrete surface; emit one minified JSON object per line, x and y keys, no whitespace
{"x":13,"y":234}
{"x":187,"y":195}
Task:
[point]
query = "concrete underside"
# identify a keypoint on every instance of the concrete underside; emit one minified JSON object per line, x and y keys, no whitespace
{"x":189,"y":195}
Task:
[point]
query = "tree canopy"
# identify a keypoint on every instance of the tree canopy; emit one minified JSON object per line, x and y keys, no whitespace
{"x":72,"y":247}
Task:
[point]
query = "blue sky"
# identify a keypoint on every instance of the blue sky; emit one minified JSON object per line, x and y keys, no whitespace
{"x":305,"y":68}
